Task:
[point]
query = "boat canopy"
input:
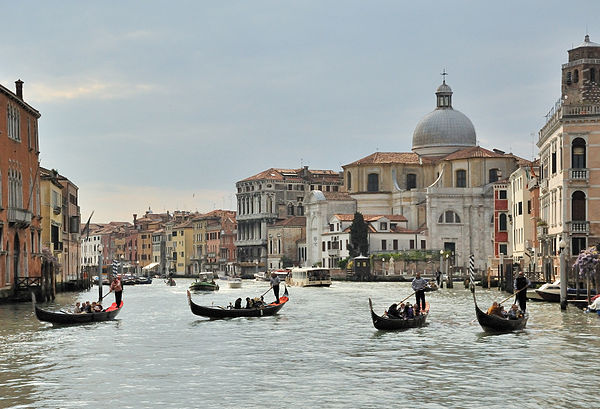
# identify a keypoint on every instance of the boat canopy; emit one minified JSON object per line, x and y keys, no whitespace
{"x":150,"y":266}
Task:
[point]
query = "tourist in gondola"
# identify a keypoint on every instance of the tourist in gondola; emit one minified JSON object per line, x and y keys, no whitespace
{"x":77,"y":309}
{"x":275,"y":285}
{"x":514,"y":313}
{"x":520,"y":286}
{"x":87,"y":307}
{"x":419,"y":284}
{"x":238,"y":303}
{"x":495,"y":309}
{"x":248,"y":302}
{"x":117,"y":287}
{"x":393,"y":311}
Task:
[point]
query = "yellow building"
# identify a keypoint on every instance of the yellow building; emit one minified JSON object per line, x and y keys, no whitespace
{"x":52,"y":218}
{"x":183,"y":248}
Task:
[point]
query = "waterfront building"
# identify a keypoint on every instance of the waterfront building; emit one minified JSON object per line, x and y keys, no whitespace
{"x":284,"y":236}
{"x":213,"y":236}
{"x":52,"y":220}
{"x":320,"y":207}
{"x":159,"y":250}
{"x":444,"y":187}
{"x":183,"y":250}
{"x":71,"y":215}
{"x":569,"y":145}
{"x":269,"y":196}
{"x":20,"y":222}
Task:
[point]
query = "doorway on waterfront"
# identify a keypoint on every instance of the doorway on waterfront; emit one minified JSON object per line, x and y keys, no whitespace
{"x":16,"y":257}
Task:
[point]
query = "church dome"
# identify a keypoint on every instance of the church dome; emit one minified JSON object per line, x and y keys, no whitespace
{"x":444,"y":130}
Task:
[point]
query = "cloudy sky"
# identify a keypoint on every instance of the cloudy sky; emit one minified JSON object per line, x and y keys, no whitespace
{"x":166,"y":104}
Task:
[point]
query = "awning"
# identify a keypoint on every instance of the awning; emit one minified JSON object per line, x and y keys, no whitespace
{"x":150,"y":266}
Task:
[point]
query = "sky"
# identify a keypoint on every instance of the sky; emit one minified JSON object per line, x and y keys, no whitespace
{"x":165,"y":105}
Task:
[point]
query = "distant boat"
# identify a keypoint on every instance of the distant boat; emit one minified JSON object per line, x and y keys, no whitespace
{"x":261,"y":276}
{"x":309,"y":277}
{"x":386,"y":323}
{"x":206,"y":283}
{"x":496,"y":324}
{"x":234,"y":283}
{"x":551,"y":292}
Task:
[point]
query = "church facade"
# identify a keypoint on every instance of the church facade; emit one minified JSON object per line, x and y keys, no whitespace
{"x":444,"y":186}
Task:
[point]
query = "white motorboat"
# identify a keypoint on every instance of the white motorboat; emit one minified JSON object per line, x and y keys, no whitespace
{"x":309,"y":277}
{"x":234,"y":282}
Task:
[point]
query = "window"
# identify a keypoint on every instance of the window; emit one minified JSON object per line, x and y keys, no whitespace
{"x":493,"y":175}
{"x":395,"y":244}
{"x":578,"y":206}
{"x":576,"y":76}
{"x":411,"y":181}
{"x":373,"y":182}
{"x":592,"y":75}
{"x":383,"y":244}
{"x":461,"y":178}
{"x":503,"y":249}
{"x":423,"y":244}
{"x":412,"y":244}
{"x":520,"y":206}
{"x":569,"y":78}
{"x":502,"y":194}
{"x":577,"y":245}
{"x":449,"y":217}
{"x":578,"y":154}
{"x":553,"y":163}
{"x":502,"y":222}
{"x":290,"y":210}
{"x":383,"y":226}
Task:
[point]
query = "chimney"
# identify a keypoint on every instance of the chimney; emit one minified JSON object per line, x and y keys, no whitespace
{"x":19,"y":87}
{"x":134,"y":220}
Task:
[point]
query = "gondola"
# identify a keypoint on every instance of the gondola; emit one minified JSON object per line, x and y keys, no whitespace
{"x":385,"y":323}
{"x":60,"y":317}
{"x":216,"y":312}
{"x":493,"y":323}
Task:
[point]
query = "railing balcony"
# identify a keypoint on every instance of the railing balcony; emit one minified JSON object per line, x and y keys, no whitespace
{"x":578,"y":174}
{"x":542,"y":231}
{"x":544,"y":185}
{"x":58,"y":246}
{"x":578,"y":226}
{"x":334,"y":252}
{"x":19,"y":216}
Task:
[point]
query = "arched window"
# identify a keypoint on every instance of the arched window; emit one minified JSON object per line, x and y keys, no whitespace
{"x":411,"y":181}
{"x":449,"y":217}
{"x":502,"y":222}
{"x":576,"y":76}
{"x":373,"y":182}
{"x":592,"y":74}
{"x":349,"y":181}
{"x":578,"y":154}
{"x":290,"y":210}
{"x":578,"y":206}
{"x":461,"y":178}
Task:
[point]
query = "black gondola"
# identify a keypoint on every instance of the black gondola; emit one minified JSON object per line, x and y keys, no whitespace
{"x":391,"y":324}
{"x":493,"y":323}
{"x":60,"y":317}
{"x":215,"y":313}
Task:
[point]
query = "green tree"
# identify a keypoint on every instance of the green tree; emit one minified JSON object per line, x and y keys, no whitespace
{"x":359,"y":243}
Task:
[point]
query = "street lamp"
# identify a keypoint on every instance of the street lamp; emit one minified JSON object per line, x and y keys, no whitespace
{"x":563,"y":274}
{"x":383,"y":266}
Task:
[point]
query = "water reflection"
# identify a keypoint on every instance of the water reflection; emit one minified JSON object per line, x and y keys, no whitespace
{"x":320,"y":351}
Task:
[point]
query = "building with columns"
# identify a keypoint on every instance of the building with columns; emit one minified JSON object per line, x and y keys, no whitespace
{"x":569,"y":145}
{"x":444,"y":187}
{"x":269,"y":196}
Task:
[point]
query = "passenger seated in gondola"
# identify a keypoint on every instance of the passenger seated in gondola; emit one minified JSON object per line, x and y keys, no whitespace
{"x":77,"y":308}
{"x":257,"y":302}
{"x":88,"y":307}
{"x":496,"y":310}
{"x":248,"y":302}
{"x":238,"y":304}
{"x":393,"y":311}
{"x":98,"y":307}
{"x":417,"y":310}
{"x":409,"y":312}
{"x":514,"y":313}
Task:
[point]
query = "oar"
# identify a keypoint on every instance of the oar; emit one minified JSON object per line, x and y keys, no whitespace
{"x":104,"y":295}
{"x":510,"y":296}
{"x":407,"y":298}
{"x":266,"y":291}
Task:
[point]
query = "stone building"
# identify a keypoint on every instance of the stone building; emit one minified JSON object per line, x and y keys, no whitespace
{"x":269,"y":196}
{"x":444,"y":186}
{"x":569,"y":145}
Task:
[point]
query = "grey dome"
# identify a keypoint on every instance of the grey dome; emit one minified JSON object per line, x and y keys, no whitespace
{"x":444,"y":130}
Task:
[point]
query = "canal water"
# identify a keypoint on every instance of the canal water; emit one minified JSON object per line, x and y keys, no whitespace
{"x":321,"y":351}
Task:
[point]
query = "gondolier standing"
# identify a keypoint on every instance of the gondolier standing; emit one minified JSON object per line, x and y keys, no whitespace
{"x":521,"y":283}
{"x":275,"y":285}
{"x":117,"y":287}
{"x":419,"y":284}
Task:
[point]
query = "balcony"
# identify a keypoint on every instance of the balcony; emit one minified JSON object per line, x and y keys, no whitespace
{"x":578,"y":175}
{"x":544,"y":185}
{"x":578,"y":226}
{"x":19,"y":217}
{"x":57,"y":246}
{"x":57,"y":210}
{"x":542,"y":231}
{"x":251,"y":242}
{"x":333,"y":252}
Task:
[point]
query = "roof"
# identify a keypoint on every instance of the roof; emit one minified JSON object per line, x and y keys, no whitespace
{"x":278,"y":174}
{"x":390,"y":217}
{"x":409,"y":158}
{"x":296,"y":221}
{"x":474,"y":152}
{"x":335,"y":196}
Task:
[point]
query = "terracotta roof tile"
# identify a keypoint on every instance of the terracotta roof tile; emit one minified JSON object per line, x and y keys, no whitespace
{"x":474,"y":152}
{"x":388,"y":157}
{"x":296,"y":221}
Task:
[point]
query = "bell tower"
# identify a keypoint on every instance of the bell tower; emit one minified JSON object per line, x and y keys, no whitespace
{"x":581,"y":75}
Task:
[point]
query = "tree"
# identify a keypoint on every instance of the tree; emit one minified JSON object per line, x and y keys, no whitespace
{"x":359,"y":243}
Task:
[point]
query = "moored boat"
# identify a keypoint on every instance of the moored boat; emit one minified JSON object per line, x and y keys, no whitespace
{"x":65,"y":318}
{"x":309,"y":277}
{"x":385,"y":323}
{"x":551,"y":292}
{"x":217,"y":312}
{"x":494,"y":323}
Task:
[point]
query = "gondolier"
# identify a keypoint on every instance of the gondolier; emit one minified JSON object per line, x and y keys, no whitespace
{"x":520,"y":285}
{"x":419,"y":284}
{"x":117,"y":287}
{"x":275,"y":285}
